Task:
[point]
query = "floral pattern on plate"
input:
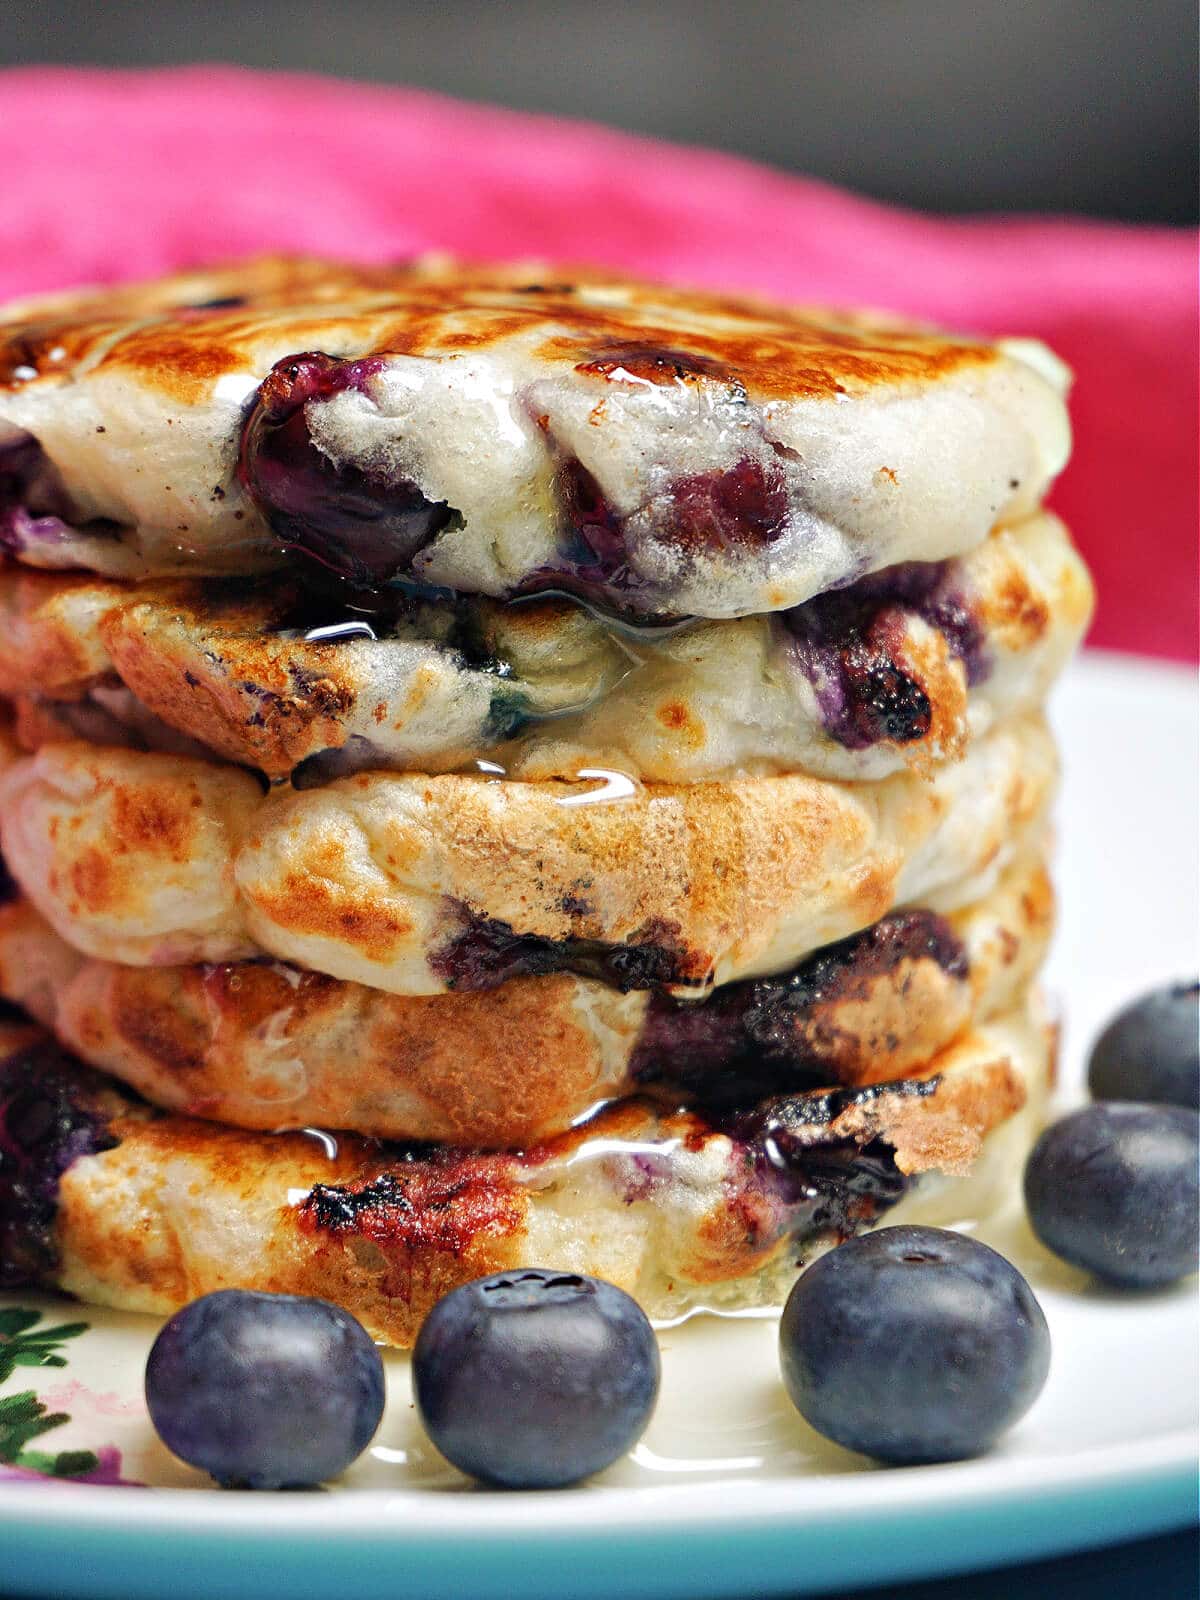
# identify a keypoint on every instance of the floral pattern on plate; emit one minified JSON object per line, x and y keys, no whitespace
{"x":26,"y":1418}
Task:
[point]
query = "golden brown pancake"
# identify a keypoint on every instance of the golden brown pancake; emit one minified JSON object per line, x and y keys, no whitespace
{"x":129,"y":1207}
{"x":500,"y":429}
{"x":419,"y":885}
{"x":266,"y":1046}
{"x":903,"y":669}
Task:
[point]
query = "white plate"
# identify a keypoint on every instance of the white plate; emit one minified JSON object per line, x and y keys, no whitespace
{"x":729,"y":1491}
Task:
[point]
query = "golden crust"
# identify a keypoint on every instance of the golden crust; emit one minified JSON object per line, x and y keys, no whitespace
{"x":172,"y":335}
{"x":219,"y":664}
{"x":388,"y":880}
{"x":749,"y":456}
{"x":177,"y":1208}
{"x":51,"y":630}
{"x":264,"y":1046}
{"x":156,"y":851}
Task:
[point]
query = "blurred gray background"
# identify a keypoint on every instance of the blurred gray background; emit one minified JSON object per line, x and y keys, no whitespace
{"x":953,"y":105}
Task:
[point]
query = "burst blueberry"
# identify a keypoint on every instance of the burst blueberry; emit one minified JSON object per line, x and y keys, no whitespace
{"x":265,"y":1391}
{"x":1113,"y":1189}
{"x":535,"y":1379}
{"x":363,"y":524}
{"x":913,"y":1345}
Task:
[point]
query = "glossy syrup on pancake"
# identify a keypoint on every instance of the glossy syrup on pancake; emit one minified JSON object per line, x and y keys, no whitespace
{"x":162,"y":860}
{"x":400,"y":443}
{"x":421,"y":1200}
{"x":681,"y":1210}
{"x":666,"y":452}
{"x":315,"y":681}
{"x":262,"y":1045}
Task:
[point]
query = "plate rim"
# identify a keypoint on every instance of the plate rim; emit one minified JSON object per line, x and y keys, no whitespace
{"x":469,"y":1512}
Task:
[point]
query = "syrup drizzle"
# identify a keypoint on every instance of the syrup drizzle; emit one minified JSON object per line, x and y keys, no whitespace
{"x":339,"y":632}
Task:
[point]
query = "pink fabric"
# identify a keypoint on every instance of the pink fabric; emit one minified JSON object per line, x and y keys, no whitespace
{"x":118,"y":175}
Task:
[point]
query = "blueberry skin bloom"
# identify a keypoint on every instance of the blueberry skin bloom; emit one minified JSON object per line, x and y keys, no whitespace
{"x":265,"y":1391}
{"x":913,"y":1345}
{"x":1113,"y":1189}
{"x":535,"y":1379}
{"x":1151,"y":1050}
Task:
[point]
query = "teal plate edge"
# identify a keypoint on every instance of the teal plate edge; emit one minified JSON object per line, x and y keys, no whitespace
{"x":689,"y":1545}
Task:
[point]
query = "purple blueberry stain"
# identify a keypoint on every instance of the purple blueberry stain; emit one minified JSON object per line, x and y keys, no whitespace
{"x":488,"y":952}
{"x":594,"y":555}
{"x":745,"y":507}
{"x":803,"y":1175}
{"x":46,"y":1126}
{"x":802,"y":1178}
{"x":848,"y":642}
{"x":27,"y":481}
{"x":760,"y":1036}
{"x":358,"y":754}
{"x":787,"y":1128}
{"x":224,"y":302}
{"x":838,"y":1188}
{"x":632,"y":361}
{"x":35,"y":510}
{"x":363,"y":524}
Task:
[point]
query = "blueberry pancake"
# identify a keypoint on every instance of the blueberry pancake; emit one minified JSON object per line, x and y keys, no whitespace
{"x":419,"y":885}
{"x":125,"y":1206}
{"x":902,"y":668}
{"x":507,"y":431}
{"x":266,"y":1046}
{"x":508,"y":766}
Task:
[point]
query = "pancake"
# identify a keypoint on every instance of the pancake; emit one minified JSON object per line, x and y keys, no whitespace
{"x":125,"y":1206}
{"x":266,"y":1046}
{"x":501,"y":430}
{"x":900,"y":669}
{"x":418,"y":885}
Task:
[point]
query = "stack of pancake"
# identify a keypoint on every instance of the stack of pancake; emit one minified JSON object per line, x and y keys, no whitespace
{"x":509,"y":768}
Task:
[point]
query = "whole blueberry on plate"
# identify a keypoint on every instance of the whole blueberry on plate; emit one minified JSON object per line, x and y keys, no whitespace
{"x":913,"y":1345}
{"x":1113,"y":1189}
{"x":534,"y":1379}
{"x":265,"y":1391}
{"x":1150,"y":1051}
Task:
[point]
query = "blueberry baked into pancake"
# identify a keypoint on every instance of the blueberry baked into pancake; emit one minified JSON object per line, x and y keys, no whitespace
{"x":490,"y":431}
{"x":512,"y":766}
{"x":128,"y":1206}
{"x":420,"y":885}
{"x":257,"y":1043}
{"x":892,"y":671}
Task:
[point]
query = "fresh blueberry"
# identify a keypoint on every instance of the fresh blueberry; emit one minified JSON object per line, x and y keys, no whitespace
{"x":912,"y":1345}
{"x":265,"y":1391}
{"x":533,"y":1379}
{"x":1151,"y":1050}
{"x":1113,"y":1189}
